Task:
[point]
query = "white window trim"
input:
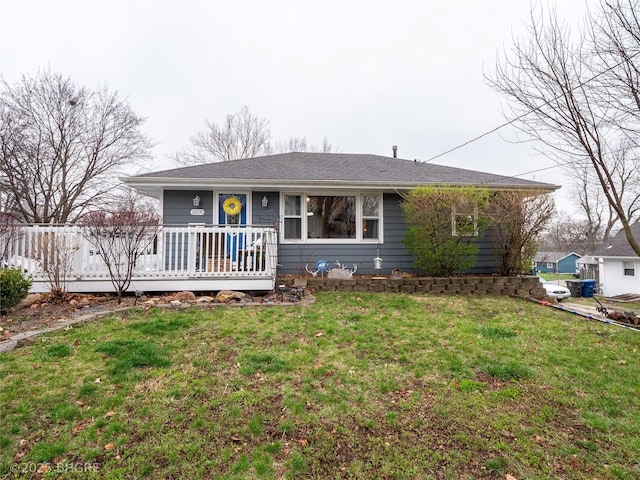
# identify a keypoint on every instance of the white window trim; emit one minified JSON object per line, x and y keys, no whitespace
{"x":455,"y":214}
{"x":303,"y":226}
{"x":633,"y":264}
{"x":328,"y":241}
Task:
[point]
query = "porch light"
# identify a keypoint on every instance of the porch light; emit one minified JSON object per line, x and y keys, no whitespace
{"x":196,"y":201}
{"x":265,"y":201}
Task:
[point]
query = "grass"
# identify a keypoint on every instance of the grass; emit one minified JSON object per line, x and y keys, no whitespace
{"x":556,"y":276}
{"x":353,"y":386}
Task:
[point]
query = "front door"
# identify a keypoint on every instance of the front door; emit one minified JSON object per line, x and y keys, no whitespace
{"x":232,"y":211}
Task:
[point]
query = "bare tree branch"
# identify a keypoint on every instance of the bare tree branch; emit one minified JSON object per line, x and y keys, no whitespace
{"x":62,"y":146}
{"x":577,"y":97}
{"x":242,"y":135}
{"x":120,"y":238}
{"x":517,"y":219}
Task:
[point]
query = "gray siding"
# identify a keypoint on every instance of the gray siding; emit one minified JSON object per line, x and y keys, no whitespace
{"x":292,"y":258}
{"x":265,"y":216}
{"x":176,"y":211}
{"x":177,"y":206}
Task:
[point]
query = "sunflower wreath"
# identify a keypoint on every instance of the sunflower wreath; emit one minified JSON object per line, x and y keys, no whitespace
{"x":232,"y":206}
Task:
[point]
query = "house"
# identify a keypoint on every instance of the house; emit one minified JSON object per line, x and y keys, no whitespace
{"x":239,"y":224}
{"x":619,"y":265}
{"x":556,"y":262}
{"x":323,"y":206}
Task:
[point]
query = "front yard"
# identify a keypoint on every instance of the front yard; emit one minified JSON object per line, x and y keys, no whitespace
{"x":354,"y":386}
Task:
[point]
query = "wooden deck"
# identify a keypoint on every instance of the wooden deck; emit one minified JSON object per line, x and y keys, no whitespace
{"x":202,"y":258}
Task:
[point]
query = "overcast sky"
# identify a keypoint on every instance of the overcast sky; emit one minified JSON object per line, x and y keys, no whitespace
{"x":367,"y":74}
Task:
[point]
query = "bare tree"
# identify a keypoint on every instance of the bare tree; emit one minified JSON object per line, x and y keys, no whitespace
{"x":578,"y":97}
{"x":600,"y":218}
{"x":517,"y":219}
{"x":566,"y":234}
{"x":62,"y":145}
{"x":300,"y":144}
{"x":9,"y":232}
{"x":57,"y":251}
{"x":126,"y":199}
{"x":120,"y":238}
{"x":242,"y":135}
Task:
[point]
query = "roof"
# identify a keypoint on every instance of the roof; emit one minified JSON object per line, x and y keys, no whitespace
{"x":553,"y":256}
{"x":587,"y":260}
{"x":619,"y":246}
{"x":326,"y":170}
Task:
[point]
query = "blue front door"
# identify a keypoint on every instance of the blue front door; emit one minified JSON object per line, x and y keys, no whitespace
{"x":232,"y":210}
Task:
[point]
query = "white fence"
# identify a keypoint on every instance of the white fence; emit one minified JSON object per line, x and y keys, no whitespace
{"x":239,"y":252}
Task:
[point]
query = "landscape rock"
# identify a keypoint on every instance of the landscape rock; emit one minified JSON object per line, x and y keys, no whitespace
{"x":175,"y":303}
{"x":31,"y":299}
{"x":341,"y":273}
{"x":205,"y":299}
{"x":226,"y":296}
{"x":185,"y":297}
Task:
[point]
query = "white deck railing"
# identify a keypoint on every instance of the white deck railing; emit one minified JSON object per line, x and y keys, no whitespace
{"x":173,"y":252}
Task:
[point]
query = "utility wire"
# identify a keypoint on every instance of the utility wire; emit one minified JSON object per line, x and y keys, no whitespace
{"x":493,"y":130}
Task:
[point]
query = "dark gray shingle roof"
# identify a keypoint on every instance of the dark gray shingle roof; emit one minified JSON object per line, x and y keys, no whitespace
{"x":339,"y":167}
{"x":619,"y":246}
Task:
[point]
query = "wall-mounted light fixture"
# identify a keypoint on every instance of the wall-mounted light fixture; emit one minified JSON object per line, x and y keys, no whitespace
{"x":265,"y":201}
{"x":196,"y":201}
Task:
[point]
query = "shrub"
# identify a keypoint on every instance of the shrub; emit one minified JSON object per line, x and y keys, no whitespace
{"x":13,"y":288}
{"x":443,"y":224}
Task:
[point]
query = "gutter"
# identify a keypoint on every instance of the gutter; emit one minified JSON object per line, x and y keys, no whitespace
{"x":156,"y":183}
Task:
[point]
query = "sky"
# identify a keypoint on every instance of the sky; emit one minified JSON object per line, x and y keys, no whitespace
{"x":365,"y":74}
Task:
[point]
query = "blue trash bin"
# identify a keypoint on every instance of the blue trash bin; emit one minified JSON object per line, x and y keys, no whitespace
{"x":588,"y":288}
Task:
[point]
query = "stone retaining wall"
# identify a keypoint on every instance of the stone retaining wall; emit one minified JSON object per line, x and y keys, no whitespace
{"x":524,"y":286}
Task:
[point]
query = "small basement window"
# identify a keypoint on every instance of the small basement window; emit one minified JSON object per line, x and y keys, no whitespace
{"x":629,"y":269}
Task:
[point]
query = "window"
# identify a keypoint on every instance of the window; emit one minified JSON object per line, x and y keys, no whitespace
{"x":629,"y":269}
{"x":370,"y":216}
{"x":549,"y":264}
{"x":292,"y":217}
{"x":464,"y":221}
{"x":331,"y":217}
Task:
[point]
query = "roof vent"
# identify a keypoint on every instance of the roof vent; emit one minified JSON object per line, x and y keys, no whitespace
{"x":395,"y":151}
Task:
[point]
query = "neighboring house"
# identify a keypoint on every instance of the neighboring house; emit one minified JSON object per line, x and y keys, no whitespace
{"x":619,"y":265}
{"x":330,"y":206}
{"x":588,"y":268}
{"x":556,"y":262}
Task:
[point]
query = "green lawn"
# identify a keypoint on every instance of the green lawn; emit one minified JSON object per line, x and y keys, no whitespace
{"x":353,"y":386}
{"x":556,"y":276}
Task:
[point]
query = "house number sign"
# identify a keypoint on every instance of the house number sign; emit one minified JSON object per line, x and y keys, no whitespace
{"x":197,"y":211}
